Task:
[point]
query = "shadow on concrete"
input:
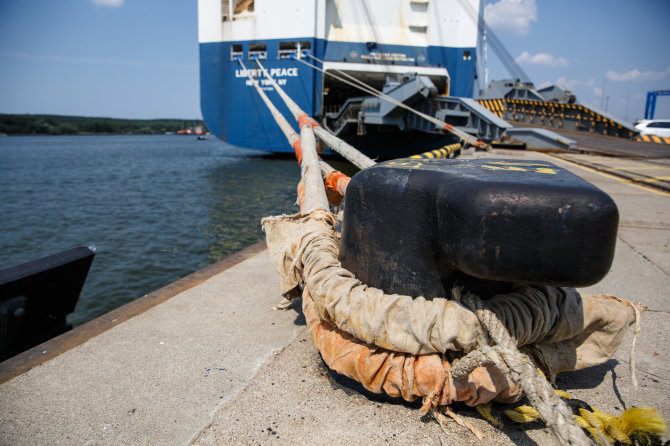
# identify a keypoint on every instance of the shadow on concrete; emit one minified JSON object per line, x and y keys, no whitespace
{"x":589,"y":378}
{"x":296,"y":306}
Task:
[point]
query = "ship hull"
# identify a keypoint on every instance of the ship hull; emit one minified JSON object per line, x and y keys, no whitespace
{"x":235,"y":113}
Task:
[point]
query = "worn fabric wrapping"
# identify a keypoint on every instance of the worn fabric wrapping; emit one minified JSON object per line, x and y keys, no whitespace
{"x":568,"y":331}
{"x":306,"y":248}
{"x":402,"y":374}
{"x":604,"y":322}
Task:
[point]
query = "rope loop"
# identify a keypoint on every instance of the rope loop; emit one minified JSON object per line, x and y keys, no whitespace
{"x":519,"y":368}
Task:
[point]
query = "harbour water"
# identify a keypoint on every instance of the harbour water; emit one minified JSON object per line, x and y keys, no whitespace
{"x":156,"y":208}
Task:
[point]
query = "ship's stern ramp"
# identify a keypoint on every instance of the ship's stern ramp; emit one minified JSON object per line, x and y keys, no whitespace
{"x":551,"y":107}
{"x":424,"y":92}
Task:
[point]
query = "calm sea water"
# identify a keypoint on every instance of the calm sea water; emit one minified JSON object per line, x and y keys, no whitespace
{"x":156,"y":208}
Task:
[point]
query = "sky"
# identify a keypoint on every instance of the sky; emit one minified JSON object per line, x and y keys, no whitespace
{"x":139,"y":58}
{"x":610,"y":53}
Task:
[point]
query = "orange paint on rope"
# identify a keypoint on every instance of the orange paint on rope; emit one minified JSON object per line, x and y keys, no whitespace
{"x":301,"y":194}
{"x":305,"y":119}
{"x":336,"y":184}
{"x":298,"y":151}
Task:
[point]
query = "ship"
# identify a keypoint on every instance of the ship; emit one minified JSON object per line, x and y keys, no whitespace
{"x":422,"y":52}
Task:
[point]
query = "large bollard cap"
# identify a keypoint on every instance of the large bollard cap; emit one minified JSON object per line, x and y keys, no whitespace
{"x":420,"y":226}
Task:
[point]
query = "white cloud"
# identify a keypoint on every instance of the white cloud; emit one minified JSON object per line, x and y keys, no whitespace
{"x":597,"y":91}
{"x":541,"y":59}
{"x":637,"y":75}
{"x":111,"y":3}
{"x":511,"y":15}
{"x":568,"y":84}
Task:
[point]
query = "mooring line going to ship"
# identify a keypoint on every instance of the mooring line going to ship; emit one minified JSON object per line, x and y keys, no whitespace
{"x":335,"y":180}
{"x":291,"y":135}
{"x":354,"y":156}
{"x":465,"y":137}
{"x":504,"y":354}
{"x":522,"y":371}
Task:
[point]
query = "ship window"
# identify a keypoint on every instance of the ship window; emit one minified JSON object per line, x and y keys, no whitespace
{"x":259,"y":50}
{"x":297,"y":48}
{"x":467,"y":55}
{"x":225,"y":10}
{"x":236,"y":9}
{"x":235,"y":51}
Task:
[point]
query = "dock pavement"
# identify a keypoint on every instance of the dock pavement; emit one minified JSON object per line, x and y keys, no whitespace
{"x":207,"y":360}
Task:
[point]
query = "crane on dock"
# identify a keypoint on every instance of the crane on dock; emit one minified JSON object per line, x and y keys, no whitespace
{"x":650,"y":106}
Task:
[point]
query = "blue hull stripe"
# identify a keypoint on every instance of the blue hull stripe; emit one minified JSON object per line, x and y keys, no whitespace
{"x":234,"y":112}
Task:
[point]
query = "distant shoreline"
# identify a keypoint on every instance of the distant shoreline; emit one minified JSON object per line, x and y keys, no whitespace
{"x":27,"y":125}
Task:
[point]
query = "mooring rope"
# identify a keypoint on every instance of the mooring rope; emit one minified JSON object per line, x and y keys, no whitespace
{"x":315,"y":192}
{"x":505,"y":355}
{"x":304,"y":147}
{"x":330,"y":175}
{"x":368,"y":89}
{"x":502,"y":352}
{"x":289,"y":133}
{"x":348,"y":151}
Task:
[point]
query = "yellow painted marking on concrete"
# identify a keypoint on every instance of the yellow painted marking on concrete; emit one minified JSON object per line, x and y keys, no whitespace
{"x":623,"y":165}
{"x":645,"y":138}
{"x":639,"y":167}
{"x":666,"y":140}
{"x":656,"y":139}
{"x":613,"y":177}
{"x":652,"y":180}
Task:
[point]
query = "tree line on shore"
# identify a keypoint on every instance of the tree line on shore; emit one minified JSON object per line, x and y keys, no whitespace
{"x":81,"y":125}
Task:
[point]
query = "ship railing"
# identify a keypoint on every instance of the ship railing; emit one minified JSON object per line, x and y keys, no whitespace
{"x":293,"y":49}
{"x":258,"y":51}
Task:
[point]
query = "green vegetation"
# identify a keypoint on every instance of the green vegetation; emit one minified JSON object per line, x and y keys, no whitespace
{"x":75,"y":125}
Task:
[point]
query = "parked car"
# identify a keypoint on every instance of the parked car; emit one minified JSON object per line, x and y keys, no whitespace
{"x":658,"y":127}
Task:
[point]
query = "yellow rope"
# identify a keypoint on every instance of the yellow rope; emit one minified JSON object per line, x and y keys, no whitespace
{"x":562,"y":393}
{"x":522,"y":414}
{"x":485,"y":411}
{"x":637,"y":425}
{"x":584,"y":424}
{"x":639,"y":420}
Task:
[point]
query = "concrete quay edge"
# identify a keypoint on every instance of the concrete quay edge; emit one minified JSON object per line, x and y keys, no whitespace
{"x":39,"y":354}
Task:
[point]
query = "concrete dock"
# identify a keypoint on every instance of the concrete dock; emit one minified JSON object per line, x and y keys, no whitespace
{"x":208,"y":361}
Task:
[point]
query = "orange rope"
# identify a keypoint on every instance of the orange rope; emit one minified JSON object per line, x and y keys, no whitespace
{"x":336,"y":185}
{"x":402,"y":374}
